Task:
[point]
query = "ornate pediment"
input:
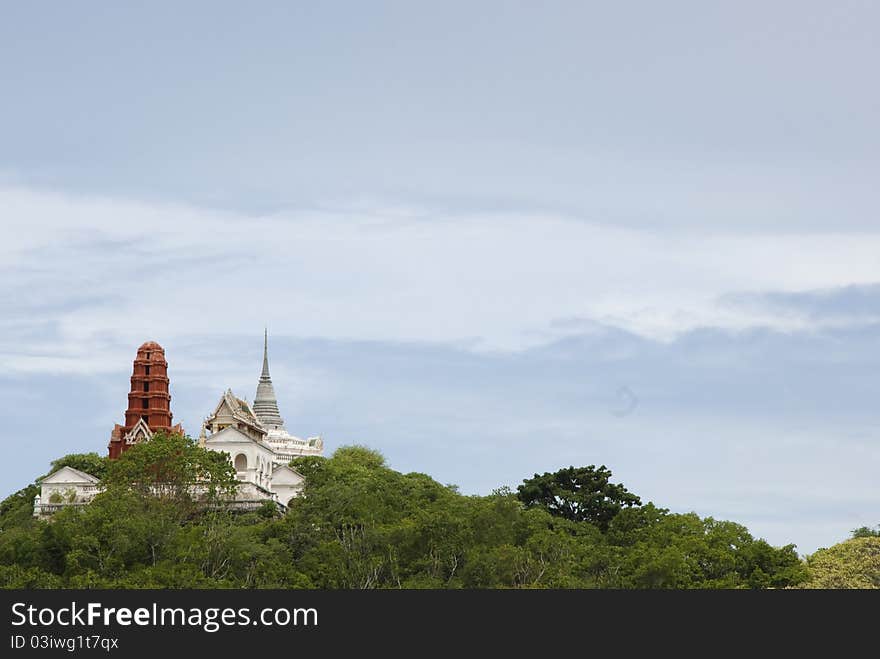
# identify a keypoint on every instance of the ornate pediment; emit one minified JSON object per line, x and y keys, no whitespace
{"x":224,"y":408}
{"x":232,"y":411}
{"x":139,"y":433}
{"x":231,"y":405}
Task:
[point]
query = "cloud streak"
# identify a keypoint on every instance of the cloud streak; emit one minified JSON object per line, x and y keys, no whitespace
{"x":105,"y":270}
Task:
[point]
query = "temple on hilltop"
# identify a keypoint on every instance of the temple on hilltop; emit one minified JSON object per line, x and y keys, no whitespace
{"x":149,"y":402}
{"x":254,"y":439}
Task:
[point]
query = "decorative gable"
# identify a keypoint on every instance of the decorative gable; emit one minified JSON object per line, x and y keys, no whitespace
{"x":139,"y":433}
{"x":233,"y":412}
{"x":223,"y":409}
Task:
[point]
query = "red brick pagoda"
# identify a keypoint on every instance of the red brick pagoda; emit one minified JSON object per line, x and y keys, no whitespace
{"x":149,"y":403}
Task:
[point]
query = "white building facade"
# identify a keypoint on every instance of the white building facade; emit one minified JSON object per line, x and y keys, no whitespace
{"x":65,"y":487}
{"x":256,"y":441}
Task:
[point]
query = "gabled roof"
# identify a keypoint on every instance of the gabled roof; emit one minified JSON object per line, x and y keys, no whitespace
{"x":240,"y":409}
{"x":232,"y":435}
{"x":284,"y":468}
{"x":69,"y":475}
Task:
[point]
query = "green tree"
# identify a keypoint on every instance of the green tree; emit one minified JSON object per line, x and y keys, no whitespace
{"x":851,"y":564}
{"x":584,"y":494}
{"x":173,"y":468}
{"x":866,"y":532}
{"x":18,"y":508}
{"x":15,"y":576}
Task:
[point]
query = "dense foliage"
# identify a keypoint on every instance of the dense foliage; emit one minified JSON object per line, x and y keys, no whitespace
{"x":359,"y":524}
{"x":851,"y":564}
{"x":866,"y":532}
{"x":173,"y":469}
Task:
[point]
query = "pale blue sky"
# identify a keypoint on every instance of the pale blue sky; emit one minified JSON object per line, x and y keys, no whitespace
{"x":470,"y":228}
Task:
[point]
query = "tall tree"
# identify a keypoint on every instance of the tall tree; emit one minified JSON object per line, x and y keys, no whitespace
{"x":173,"y":468}
{"x":582,"y":494}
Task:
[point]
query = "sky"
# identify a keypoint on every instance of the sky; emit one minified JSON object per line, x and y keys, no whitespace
{"x":488,"y":239}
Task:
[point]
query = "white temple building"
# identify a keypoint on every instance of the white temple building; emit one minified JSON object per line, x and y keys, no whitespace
{"x":257,"y":442}
{"x":254,"y":438}
{"x":262,"y":422}
{"x":65,"y":487}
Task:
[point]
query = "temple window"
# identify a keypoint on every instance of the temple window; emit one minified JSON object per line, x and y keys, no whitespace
{"x":146,"y":370}
{"x":145,"y":403}
{"x":241,"y":462}
{"x":146,"y":386}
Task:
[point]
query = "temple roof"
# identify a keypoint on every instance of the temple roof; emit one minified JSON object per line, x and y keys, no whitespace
{"x":265,"y":403}
{"x":238,"y":408}
{"x":152,"y":345}
{"x":68,"y":474}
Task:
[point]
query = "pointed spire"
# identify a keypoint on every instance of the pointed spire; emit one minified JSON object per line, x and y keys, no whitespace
{"x":265,"y":373}
{"x":265,"y":404}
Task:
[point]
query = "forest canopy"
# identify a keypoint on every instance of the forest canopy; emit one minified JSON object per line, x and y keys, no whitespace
{"x":360,"y":524}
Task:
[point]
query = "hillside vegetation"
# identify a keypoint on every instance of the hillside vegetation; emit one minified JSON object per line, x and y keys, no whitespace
{"x":360,"y":524}
{"x":851,"y":564}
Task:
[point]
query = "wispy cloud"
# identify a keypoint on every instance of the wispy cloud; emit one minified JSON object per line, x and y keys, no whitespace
{"x":105,"y":272}
{"x":842,"y":306}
